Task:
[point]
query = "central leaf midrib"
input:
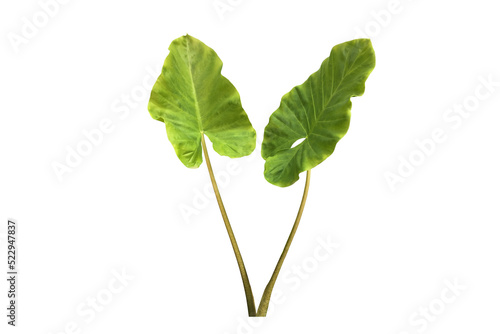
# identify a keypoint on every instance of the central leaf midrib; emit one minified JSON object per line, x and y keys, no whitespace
{"x":197,"y":107}
{"x":334,"y":91}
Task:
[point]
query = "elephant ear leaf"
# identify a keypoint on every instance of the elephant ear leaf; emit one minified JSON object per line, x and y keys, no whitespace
{"x":316,"y":112}
{"x":193,"y":99}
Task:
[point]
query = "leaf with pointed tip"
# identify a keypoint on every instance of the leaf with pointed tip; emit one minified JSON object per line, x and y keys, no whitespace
{"x":192,"y":98}
{"x":318,"y":111}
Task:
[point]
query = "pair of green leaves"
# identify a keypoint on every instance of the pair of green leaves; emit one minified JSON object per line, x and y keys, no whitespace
{"x":192,"y":98}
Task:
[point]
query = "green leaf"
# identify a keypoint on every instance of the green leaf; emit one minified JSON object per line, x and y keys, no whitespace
{"x":318,"y":111}
{"x":192,"y":98}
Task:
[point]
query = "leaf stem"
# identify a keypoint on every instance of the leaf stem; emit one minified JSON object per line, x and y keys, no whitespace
{"x":239,"y":259}
{"x":266,"y":297}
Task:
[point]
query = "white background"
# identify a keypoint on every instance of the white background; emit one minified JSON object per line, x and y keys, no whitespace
{"x":120,"y":208}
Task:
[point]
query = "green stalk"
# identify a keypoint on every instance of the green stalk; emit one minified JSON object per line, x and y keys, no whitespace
{"x":266,"y":297}
{"x":239,"y":259}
